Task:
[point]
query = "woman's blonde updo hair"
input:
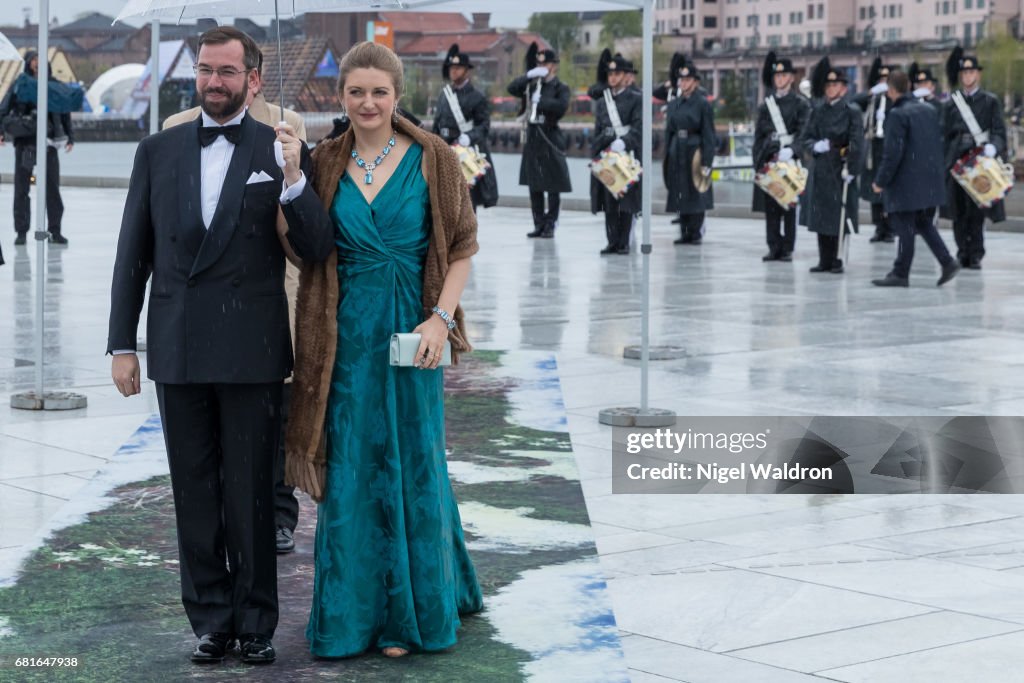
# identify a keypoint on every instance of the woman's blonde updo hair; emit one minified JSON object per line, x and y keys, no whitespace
{"x":367,"y":55}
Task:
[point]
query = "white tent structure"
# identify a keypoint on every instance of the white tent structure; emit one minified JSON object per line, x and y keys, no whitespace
{"x":178,"y":10}
{"x":112,"y":89}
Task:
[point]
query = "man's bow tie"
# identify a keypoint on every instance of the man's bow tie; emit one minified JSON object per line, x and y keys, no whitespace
{"x":207,"y":134}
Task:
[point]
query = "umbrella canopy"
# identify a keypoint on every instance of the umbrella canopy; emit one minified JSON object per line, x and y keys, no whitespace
{"x":7,"y":49}
{"x":179,"y":10}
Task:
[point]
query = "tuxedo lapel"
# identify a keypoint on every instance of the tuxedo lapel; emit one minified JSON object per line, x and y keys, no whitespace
{"x":225,"y":217}
{"x":190,"y":182}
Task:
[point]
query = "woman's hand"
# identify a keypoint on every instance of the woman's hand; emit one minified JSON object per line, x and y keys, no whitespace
{"x":433,"y":334}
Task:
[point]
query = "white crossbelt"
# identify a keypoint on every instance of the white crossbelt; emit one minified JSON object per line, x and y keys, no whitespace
{"x":453,"y":104}
{"x":613,"y":114}
{"x":980,"y":136}
{"x":785,"y":139}
{"x":880,"y":122}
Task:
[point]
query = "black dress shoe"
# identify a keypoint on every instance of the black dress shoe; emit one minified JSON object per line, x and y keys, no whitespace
{"x":677,"y":220}
{"x":949,"y":272}
{"x":820,"y":268}
{"x":837,"y":267}
{"x":891,"y":280}
{"x":256,"y":649}
{"x":548,"y":233}
{"x":212,"y":647}
{"x":535,"y":233}
{"x":696,"y":240}
{"x":623,"y":251}
{"x":285,"y":540}
{"x":682,"y":240}
{"x":786,"y":256}
{"x":57,"y":238}
{"x":875,"y":238}
{"x":770,"y":256}
{"x":889,"y":239}
{"x":974,"y":264}
{"x":19,"y":240}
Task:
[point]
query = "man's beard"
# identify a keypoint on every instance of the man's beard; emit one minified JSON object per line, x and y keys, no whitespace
{"x":232,"y":104}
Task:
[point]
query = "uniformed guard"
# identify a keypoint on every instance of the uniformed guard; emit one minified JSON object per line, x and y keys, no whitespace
{"x":972,"y":122}
{"x":463,"y":116}
{"x":544,"y":168}
{"x":835,"y":136}
{"x":875,"y":103}
{"x":779,"y":121}
{"x":618,"y":128}
{"x":923,"y":84}
{"x":689,"y":132}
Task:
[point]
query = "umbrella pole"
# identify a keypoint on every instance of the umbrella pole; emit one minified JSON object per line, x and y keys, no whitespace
{"x":842,"y":215}
{"x":280,"y":61}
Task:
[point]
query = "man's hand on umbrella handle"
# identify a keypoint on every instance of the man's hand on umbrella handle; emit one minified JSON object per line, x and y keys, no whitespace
{"x":291,"y":152}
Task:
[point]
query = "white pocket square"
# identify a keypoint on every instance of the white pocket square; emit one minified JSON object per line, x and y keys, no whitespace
{"x":260,"y":177}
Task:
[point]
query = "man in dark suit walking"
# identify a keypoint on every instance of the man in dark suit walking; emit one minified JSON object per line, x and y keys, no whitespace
{"x":911,"y":181}
{"x":202,"y":217}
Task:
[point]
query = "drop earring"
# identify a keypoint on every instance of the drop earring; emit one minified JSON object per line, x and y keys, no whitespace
{"x":394,"y":115}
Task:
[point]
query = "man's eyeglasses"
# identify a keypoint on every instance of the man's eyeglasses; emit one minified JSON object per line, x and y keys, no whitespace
{"x":226,"y":73}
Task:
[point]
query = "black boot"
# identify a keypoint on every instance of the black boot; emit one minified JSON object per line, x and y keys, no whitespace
{"x":19,"y":240}
{"x":538,"y":223}
{"x":549,"y":228}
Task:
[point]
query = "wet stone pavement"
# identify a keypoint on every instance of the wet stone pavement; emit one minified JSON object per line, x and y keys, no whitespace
{"x":706,"y":589}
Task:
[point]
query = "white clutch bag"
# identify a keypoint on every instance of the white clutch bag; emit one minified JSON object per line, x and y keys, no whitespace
{"x":404,"y":346}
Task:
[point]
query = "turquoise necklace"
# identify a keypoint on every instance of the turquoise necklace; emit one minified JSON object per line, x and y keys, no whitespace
{"x":369,"y":167}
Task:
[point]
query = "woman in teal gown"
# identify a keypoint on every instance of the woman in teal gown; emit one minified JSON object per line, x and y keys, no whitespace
{"x":392,"y":569}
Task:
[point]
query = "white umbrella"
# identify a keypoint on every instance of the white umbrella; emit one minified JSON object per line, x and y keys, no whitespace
{"x":7,"y":50}
{"x":179,"y":10}
{"x":190,"y":9}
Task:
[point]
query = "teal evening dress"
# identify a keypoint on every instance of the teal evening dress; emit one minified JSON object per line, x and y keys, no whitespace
{"x":392,"y":568}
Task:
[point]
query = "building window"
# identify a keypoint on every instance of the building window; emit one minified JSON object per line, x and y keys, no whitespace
{"x":821,"y":38}
{"x":710,"y":22}
{"x":968,"y":4}
{"x":810,"y":11}
{"x":979,"y":31}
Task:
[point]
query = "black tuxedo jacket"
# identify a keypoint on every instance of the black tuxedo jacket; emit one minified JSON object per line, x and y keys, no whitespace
{"x":217,"y":306}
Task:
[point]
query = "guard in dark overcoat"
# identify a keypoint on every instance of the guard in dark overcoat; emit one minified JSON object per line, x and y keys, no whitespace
{"x":778,"y":141}
{"x":834,"y":135}
{"x":689,"y":131}
{"x":964,"y":73}
{"x":470,"y":125}
{"x":544,"y":168}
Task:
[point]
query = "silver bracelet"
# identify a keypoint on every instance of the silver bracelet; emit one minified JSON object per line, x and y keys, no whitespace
{"x":443,"y":314}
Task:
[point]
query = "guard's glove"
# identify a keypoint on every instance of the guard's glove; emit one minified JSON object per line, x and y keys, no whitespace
{"x":922,"y":93}
{"x":879,"y":88}
{"x":537,"y":72}
{"x":785,"y":154}
{"x":822,"y":146}
{"x":618,"y":145}
{"x":990,"y":150}
{"x":464,"y":140}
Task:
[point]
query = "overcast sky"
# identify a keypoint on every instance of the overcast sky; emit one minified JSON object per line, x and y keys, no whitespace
{"x":66,"y":10}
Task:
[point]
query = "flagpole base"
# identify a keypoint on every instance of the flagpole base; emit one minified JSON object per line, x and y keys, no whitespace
{"x":50,"y":400}
{"x":635,"y":417}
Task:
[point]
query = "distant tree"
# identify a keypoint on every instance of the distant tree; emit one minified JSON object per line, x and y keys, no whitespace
{"x":731,"y":102}
{"x":560,"y":29}
{"x":615,"y":25}
{"x":1003,"y":60}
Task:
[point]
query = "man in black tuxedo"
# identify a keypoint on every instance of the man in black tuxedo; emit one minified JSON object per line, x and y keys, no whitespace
{"x":201,"y":216}
{"x":910,"y":180}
